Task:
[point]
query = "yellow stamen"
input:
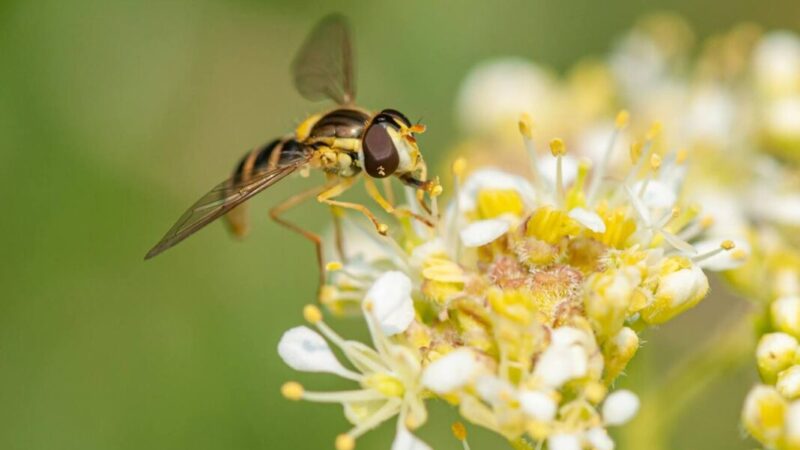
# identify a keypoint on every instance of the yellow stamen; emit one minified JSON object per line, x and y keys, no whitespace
{"x":333,"y":266}
{"x":345,"y":442}
{"x":459,"y":431}
{"x":655,"y":161}
{"x":681,"y":156}
{"x":459,"y":167}
{"x":622,"y":119}
{"x":312,"y":314}
{"x":557,"y":147}
{"x":727,"y":245}
{"x":654,"y":131}
{"x":526,"y":125}
{"x":292,"y":390}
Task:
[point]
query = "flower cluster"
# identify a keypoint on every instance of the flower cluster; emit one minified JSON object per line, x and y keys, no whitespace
{"x":735,"y":108}
{"x":523,"y":304}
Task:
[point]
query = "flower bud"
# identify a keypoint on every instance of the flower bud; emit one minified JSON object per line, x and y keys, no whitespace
{"x":785,"y":313}
{"x":607,"y":298}
{"x":792,"y":425}
{"x":763,"y":414}
{"x":619,"y":351}
{"x":775,"y":352}
{"x":681,"y":286}
{"x":620,"y":407}
{"x":788,"y":383}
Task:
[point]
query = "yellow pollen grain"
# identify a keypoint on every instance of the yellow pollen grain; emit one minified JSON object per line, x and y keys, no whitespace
{"x":655,"y":161}
{"x":312,"y":314}
{"x":437,"y":190}
{"x":526,"y":125}
{"x":707,"y":221}
{"x":739,"y":254}
{"x":459,"y":431}
{"x":557,"y":147}
{"x":459,"y":167}
{"x":727,"y":245}
{"x":622,"y":119}
{"x":368,"y":305}
{"x":636,"y":150}
{"x":681,"y":156}
{"x":676,"y":211}
{"x":292,"y":390}
{"x":333,"y":266}
{"x":654,"y":131}
{"x":345,"y":442}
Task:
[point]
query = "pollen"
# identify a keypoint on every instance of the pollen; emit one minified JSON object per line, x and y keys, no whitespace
{"x":655,"y":161}
{"x":292,"y":390}
{"x":557,"y":147}
{"x":497,"y":202}
{"x":526,"y":125}
{"x":727,"y":245}
{"x":636,"y":150}
{"x":345,"y":442}
{"x":654,"y":131}
{"x":459,"y":167}
{"x":459,"y":431}
{"x":622,"y":119}
{"x":333,"y":266}
{"x":312,"y":314}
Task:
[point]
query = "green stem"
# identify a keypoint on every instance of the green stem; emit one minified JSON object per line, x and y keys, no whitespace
{"x":663,"y":402}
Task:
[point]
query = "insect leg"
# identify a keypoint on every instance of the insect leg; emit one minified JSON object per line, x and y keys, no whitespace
{"x":337,"y":214}
{"x":387,"y":206}
{"x":278,"y":210}
{"x":334,"y":191}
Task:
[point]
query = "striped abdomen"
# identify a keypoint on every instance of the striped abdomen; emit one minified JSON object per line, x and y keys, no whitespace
{"x":272,"y":155}
{"x":340,"y":123}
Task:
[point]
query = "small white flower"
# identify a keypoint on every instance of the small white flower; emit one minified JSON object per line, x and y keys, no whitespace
{"x":390,"y":297}
{"x":565,"y":359}
{"x":620,"y":407}
{"x":599,"y":439}
{"x":683,"y":286}
{"x":303,"y":349}
{"x":589,"y":219}
{"x":405,"y":440}
{"x":538,"y":405}
{"x":450,"y":372}
{"x":483,"y":232}
{"x":563,"y":441}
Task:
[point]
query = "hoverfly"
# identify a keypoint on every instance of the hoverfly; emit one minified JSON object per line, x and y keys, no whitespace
{"x":343,"y":142}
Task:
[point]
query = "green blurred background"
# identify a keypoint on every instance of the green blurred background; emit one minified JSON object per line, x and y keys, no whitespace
{"x":115,"y":115}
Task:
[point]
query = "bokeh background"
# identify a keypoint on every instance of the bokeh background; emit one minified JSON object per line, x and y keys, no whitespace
{"x":115,"y":115}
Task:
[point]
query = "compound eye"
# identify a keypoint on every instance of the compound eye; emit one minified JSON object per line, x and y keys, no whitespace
{"x":380,"y":155}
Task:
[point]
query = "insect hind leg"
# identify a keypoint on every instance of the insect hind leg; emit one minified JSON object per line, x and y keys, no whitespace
{"x":277,"y":211}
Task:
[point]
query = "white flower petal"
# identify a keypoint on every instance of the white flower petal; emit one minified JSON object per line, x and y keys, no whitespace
{"x":657,"y":195}
{"x":565,"y":359}
{"x":589,"y":219}
{"x":483,"y":232}
{"x":405,"y":440}
{"x":391,"y":301}
{"x":563,"y":441}
{"x":620,"y":407}
{"x":493,"y":179}
{"x":538,"y":405}
{"x":599,"y":439}
{"x":549,"y":168}
{"x":450,"y":372}
{"x":303,"y":349}
{"x":492,"y":388}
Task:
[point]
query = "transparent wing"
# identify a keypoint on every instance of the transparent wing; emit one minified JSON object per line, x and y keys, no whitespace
{"x":218,"y":201}
{"x":323,"y":68}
